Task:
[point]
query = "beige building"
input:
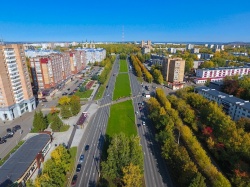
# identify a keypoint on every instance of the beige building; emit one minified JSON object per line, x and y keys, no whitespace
{"x":16,"y":95}
{"x":173,"y":69}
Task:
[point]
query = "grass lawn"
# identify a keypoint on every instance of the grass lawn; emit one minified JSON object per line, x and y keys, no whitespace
{"x":122,"y":119}
{"x":100,"y":92}
{"x":123,"y":66}
{"x":122,"y":86}
{"x":73,"y":152}
{"x":85,"y":94}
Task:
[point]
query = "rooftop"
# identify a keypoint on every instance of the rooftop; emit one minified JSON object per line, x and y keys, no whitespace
{"x":224,"y":68}
{"x":225,"y":97}
{"x":20,"y":161}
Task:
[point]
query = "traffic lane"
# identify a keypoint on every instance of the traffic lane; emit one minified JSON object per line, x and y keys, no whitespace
{"x":148,"y":170}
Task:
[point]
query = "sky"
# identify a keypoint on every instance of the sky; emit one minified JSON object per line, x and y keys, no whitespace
{"x":130,"y":20}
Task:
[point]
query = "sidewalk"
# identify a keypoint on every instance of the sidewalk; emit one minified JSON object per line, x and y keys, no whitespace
{"x":63,"y":137}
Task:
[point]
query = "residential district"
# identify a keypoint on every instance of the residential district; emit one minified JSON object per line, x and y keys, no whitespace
{"x":124,"y":114}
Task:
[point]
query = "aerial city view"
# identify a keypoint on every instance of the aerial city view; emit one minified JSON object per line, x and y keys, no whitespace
{"x":133,"y":94}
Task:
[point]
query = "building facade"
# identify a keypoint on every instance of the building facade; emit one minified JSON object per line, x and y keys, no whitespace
{"x":173,"y":69}
{"x":16,"y":96}
{"x":218,"y":74}
{"x":234,"y":107}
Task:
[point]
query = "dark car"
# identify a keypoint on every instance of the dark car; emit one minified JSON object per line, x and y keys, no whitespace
{"x":8,"y":130}
{"x":2,"y":140}
{"x":64,"y":93}
{"x":71,"y":93}
{"x":78,"y":168}
{"x":107,"y":86}
{"x":86,"y":147}
{"x":9,"y":136}
{"x":68,"y":89}
{"x":17,"y":127}
{"x":74,"y":180}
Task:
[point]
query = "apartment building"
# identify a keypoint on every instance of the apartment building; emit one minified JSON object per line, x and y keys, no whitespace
{"x":218,"y":74}
{"x":75,"y":62}
{"x":234,"y":107}
{"x":49,"y":71}
{"x":16,"y":95}
{"x":173,"y":69}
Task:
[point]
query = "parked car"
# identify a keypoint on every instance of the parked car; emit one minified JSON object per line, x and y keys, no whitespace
{"x":8,"y":130}
{"x":71,"y":93}
{"x":81,"y":158}
{"x":74,"y":180}
{"x":9,"y":135}
{"x":18,"y":127}
{"x":78,"y":168}
{"x":2,"y":141}
{"x":64,"y":93}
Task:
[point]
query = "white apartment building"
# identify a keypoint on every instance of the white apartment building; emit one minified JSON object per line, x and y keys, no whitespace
{"x":218,"y":74}
{"x":172,"y":50}
{"x":93,"y":55}
{"x":234,"y":107}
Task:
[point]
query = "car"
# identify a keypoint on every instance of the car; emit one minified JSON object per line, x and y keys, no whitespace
{"x":81,"y":158}
{"x":9,"y":135}
{"x":74,"y":180}
{"x":18,"y":127}
{"x":107,"y":86}
{"x":8,"y":130}
{"x":78,"y":168}
{"x":71,"y":93}
{"x":143,"y":123}
{"x":137,"y":112}
{"x":2,"y":141}
{"x":68,"y":89}
{"x":86,"y":147}
{"x":64,"y":93}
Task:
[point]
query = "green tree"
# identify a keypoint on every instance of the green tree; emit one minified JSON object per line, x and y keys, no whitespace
{"x":75,"y":105}
{"x":189,"y":64}
{"x":198,"y":181}
{"x":207,"y":64}
{"x":157,"y":76}
{"x":65,"y":112}
{"x":39,"y":122}
{"x":56,"y":123}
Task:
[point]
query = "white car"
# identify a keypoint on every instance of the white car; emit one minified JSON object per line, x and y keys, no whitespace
{"x":143,"y":123}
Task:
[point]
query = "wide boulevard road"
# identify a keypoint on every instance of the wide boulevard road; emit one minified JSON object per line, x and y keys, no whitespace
{"x":155,"y":170}
{"x":95,"y":134}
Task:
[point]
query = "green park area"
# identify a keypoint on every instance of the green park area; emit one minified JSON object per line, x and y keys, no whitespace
{"x":122,"y":119}
{"x":123,"y":66}
{"x":85,"y":94}
{"x":122,"y":87}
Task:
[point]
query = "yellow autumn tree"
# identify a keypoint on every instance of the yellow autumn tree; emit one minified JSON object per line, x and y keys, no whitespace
{"x":132,"y":176}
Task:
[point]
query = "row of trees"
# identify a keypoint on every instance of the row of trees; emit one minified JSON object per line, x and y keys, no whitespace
{"x":140,"y":69}
{"x":156,"y":72}
{"x":185,"y":172}
{"x":70,"y":106}
{"x":107,"y":63}
{"x":124,"y":164}
{"x":194,"y":147}
{"x":54,"y":170}
{"x":240,"y":87}
{"x":228,"y":141}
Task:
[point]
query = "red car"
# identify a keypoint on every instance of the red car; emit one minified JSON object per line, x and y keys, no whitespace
{"x":74,"y":180}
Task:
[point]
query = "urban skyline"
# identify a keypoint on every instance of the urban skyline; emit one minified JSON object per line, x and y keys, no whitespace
{"x":141,"y":20}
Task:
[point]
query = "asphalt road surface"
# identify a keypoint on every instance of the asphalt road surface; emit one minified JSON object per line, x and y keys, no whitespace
{"x":155,"y":170}
{"x":94,"y":136}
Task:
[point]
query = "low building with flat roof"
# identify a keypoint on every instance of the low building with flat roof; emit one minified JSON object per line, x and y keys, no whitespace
{"x":235,"y":107}
{"x":23,"y":163}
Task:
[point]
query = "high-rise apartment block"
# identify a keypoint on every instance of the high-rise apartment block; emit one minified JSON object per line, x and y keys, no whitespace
{"x":53,"y":69}
{"x":16,"y":95}
{"x":173,"y":69}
